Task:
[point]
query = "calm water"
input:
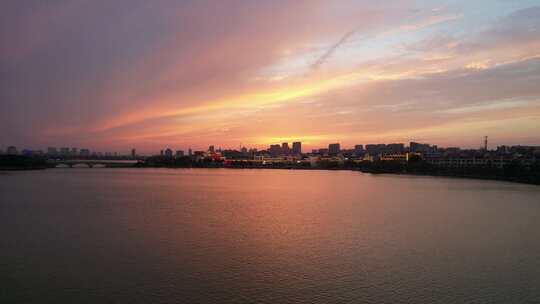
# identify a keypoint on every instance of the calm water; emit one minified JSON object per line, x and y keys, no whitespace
{"x":265,"y":236}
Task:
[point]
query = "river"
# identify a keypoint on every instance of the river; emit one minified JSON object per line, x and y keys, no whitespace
{"x":265,"y":236}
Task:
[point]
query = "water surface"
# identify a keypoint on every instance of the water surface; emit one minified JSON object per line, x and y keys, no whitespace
{"x":265,"y":236}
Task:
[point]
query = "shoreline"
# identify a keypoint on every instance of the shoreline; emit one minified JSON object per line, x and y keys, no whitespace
{"x":374,"y":172}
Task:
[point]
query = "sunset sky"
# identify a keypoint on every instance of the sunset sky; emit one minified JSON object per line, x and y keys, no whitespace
{"x":112,"y":75}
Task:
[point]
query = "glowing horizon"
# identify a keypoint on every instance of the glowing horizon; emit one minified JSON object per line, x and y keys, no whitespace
{"x":130,"y":74}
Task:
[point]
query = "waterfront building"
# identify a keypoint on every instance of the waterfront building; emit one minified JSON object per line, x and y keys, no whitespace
{"x":12,"y":150}
{"x":211,"y":149}
{"x":402,"y":158}
{"x":27,"y":152}
{"x":133,"y":153}
{"x":323,"y":151}
{"x":275,"y":150}
{"x":168,"y":152}
{"x":395,"y":149}
{"x":421,"y":148}
{"x":285,"y":148}
{"x":297,"y":148}
{"x":84,"y":152}
{"x":464,"y":162}
{"x":334,"y":149}
{"x":179,"y":153}
{"x":376,"y":149}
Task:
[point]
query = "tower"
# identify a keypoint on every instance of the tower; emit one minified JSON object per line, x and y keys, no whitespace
{"x":485,"y":143}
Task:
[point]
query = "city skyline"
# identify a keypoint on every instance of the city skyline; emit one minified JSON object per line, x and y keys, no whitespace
{"x":129,"y":74}
{"x":283,"y":148}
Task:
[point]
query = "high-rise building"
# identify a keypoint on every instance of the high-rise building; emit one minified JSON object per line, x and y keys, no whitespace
{"x":334,"y":149}
{"x":179,"y":153}
{"x":12,"y":150}
{"x":274,"y":150}
{"x":297,"y":148}
{"x":190,"y":152}
{"x":285,"y":148}
{"x":133,"y":153}
{"x":168,"y":152}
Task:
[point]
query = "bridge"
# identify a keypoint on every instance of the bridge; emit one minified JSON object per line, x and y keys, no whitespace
{"x":90,"y":163}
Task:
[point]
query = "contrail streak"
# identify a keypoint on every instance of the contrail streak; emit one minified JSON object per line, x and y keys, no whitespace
{"x":331,"y":50}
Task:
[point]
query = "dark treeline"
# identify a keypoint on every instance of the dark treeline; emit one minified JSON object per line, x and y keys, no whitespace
{"x":178,"y":162}
{"x":515,"y":171}
{"x":20,"y":162}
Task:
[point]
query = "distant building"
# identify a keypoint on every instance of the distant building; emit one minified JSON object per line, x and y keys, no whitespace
{"x":161,"y":153}
{"x":395,"y":149}
{"x":168,"y":152}
{"x":12,"y":150}
{"x":297,"y":148}
{"x":418,"y":147}
{"x":74,"y":151}
{"x":334,"y":149}
{"x":395,"y":157}
{"x":275,"y":150}
{"x":211,"y":149}
{"x":358,"y":149}
{"x":51,"y":151}
{"x":133,"y":153}
{"x":190,"y":152}
{"x":323,"y":151}
{"x":285,"y":148}
{"x":376,"y":149}
{"x":64,"y":151}
{"x":179,"y":153}
{"x":27,"y":152}
{"x":84,"y":152}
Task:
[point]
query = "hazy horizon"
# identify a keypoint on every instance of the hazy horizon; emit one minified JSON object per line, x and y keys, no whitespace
{"x":111,"y":76}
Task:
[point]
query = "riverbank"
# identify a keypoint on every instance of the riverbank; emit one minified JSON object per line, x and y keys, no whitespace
{"x":514,"y":172}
